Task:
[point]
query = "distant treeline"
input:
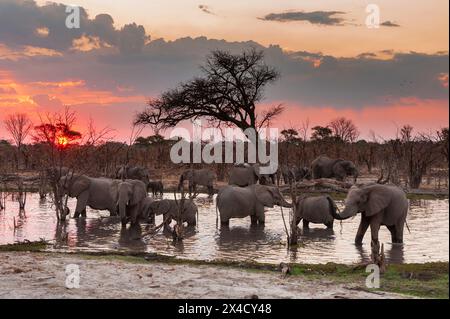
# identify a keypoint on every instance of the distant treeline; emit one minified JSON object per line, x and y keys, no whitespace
{"x":407,"y":157}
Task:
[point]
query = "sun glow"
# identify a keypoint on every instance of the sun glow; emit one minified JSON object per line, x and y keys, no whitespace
{"x":62,"y":141}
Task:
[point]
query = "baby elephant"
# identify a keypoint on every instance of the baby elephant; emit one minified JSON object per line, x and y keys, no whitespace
{"x":315,"y":209}
{"x":156,"y":187}
{"x":169,"y":208}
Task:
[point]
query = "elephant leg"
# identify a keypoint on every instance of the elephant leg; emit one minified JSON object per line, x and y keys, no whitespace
{"x":225,"y":223}
{"x":363,"y":225}
{"x":393,"y":231}
{"x":210,"y":191}
{"x":399,"y":232}
{"x":134,"y":215}
{"x":297,"y":221}
{"x":254,"y":219}
{"x":167,"y":219}
{"x":192,"y":221}
{"x":330,"y":224}
{"x":375,"y":224}
{"x":112,"y":212}
{"x":81,"y":205}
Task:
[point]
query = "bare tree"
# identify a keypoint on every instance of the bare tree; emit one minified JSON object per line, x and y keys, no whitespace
{"x":227,"y":93}
{"x":344,"y":129}
{"x":19,"y":126}
{"x":420,"y":152}
{"x":443,"y":141}
{"x":56,"y":132}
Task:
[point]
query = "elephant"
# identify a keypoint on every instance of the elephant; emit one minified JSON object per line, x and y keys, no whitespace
{"x":325,"y":167}
{"x":292,"y":173}
{"x":145,"y":209}
{"x":379,"y":205}
{"x":204,"y":177}
{"x":244,"y":175}
{"x":156,"y":187}
{"x":129,"y":196}
{"x":315,"y":209}
{"x":240,"y":202}
{"x":92,"y":192}
{"x":268,"y":179}
{"x":169,"y":208}
{"x":286,"y":173}
{"x":133,"y":172}
{"x":301,"y":173}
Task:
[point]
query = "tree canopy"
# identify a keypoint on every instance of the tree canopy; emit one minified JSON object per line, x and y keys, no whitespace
{"x":226,"y":93}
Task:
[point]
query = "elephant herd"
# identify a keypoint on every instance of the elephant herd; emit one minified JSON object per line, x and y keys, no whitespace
{"x":247,"y":194}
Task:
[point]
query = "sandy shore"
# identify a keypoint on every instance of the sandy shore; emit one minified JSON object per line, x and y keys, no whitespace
{"x":42,"y":275}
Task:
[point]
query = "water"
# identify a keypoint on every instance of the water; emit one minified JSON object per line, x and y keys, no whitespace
{"x":427,"y":219}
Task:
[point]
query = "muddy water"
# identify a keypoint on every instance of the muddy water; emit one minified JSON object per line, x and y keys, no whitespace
{"x":427,"y":219}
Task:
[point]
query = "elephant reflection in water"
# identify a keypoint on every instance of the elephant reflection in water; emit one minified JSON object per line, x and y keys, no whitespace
{"x":239,"y":237}
{"x":132,"y":238}
{"x":394,"y":254}
{"x":101,"y":230}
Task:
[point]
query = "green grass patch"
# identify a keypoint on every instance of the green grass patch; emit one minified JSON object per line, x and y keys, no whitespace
{"x":428,"y":280}
{"x":34,"y":246}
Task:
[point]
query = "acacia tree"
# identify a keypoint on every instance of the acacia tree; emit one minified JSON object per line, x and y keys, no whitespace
{"x":227,"y":93}
{"x":19,"y":127}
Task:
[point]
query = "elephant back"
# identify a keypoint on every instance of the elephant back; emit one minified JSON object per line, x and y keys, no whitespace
{"x":316,"y":209}
{"x":244,"y":175}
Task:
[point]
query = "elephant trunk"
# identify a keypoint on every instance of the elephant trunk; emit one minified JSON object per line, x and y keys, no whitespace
{"x":333,"y":210}
{"x":285,"y":204}
{"x":122,"y":203}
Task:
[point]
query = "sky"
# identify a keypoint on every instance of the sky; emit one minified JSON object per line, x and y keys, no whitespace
{"x":331,"y":63}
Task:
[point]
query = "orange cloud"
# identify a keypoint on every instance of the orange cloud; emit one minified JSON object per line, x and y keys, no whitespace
{"x":27,"y":51}
{"x":45,"y":96}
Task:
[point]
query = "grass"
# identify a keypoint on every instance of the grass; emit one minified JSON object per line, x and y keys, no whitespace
{"x":33,"y":246}
{"x":428,"y":280}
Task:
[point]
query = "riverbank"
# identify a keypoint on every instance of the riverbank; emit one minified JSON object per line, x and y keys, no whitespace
{"x":29,"y":272}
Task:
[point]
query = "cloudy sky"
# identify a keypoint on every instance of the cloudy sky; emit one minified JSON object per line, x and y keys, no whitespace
{"x":331,"y":63}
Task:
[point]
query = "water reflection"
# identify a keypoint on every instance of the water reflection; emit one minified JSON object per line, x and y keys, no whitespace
{"x":427,"y":219}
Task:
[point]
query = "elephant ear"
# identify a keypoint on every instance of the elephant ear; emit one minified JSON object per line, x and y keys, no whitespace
{"x":139,"y":192}
{"x":79,"y":185}
{"x":114,"y":190}
{"x":376,"y":201}
{"x":264,"y":195}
